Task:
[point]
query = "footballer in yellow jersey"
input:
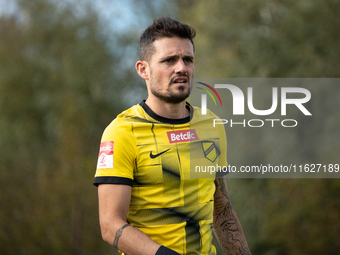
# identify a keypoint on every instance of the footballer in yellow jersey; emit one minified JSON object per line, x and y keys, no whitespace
{"x":157,"y":157}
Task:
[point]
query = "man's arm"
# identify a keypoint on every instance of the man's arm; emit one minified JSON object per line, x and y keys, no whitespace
{"x":226,"y":225}
{"x":114,"y":202}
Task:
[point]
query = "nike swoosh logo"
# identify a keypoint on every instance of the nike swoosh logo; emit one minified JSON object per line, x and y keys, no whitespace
{"x":156,"y":155}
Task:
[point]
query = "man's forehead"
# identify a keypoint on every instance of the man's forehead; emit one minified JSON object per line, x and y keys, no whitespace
{"x":173,"y":45}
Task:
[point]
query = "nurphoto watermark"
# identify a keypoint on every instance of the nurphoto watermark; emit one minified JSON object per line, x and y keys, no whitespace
{"x":271,"y":125}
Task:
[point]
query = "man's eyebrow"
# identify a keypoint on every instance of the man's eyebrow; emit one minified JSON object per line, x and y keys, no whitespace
{"x":189,"y":57}
{"x":177,"y":56}
{"x":169,"y":57}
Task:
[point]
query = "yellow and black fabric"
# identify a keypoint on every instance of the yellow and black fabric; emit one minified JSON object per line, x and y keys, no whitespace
{"x":154,"y":155}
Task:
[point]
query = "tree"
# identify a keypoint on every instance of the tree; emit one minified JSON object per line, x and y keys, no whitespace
{"x":57,"y":94}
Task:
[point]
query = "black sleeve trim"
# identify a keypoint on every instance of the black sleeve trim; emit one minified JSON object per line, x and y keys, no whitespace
{"x":112,"y":180}
{"x":162,"y":250}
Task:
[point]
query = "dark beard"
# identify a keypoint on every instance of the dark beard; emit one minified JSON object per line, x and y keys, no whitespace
{"x":172,"y":98}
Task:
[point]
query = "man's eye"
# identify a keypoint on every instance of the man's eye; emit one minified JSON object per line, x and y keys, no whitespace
{"x":189,"y":60}
{"x":170,"y":60}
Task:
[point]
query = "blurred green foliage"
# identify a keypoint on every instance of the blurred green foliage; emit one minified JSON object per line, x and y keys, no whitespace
{"x":265,"y":38}
{"x":56,"y":97}
{"x":64,"y":75}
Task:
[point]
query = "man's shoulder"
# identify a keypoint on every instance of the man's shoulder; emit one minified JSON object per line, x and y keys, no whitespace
{"x":131,"y":116}
{"x":135,"y":111}
{"x":199,"y":116}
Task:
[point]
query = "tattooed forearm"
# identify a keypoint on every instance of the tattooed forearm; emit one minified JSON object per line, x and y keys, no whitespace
{"x":227,"y":227}
{"x":118,"y":235}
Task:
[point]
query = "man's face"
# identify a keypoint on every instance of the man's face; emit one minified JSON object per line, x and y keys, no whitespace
{"x":171,"y":69}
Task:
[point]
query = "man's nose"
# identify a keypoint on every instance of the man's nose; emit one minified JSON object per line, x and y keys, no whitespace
{"x":180,"y":66}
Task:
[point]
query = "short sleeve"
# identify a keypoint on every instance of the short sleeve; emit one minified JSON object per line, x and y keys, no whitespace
{"x":117,"y":155}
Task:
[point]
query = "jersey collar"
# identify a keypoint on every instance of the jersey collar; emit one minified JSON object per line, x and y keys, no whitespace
{"x":167,"y":120}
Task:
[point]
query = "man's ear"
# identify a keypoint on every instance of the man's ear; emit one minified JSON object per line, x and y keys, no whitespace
{"x":142,"y":68}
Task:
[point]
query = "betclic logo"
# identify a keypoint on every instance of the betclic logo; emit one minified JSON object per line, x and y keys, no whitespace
{"x":182,"y":136}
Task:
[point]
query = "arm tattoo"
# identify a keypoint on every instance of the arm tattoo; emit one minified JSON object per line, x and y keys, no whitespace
{"x":118,"y":235}
{"x":227,"y":227}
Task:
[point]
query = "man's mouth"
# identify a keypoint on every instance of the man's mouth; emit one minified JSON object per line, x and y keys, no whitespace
{"x":180,"y":80}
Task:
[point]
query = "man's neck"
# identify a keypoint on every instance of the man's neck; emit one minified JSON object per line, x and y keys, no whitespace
{"x":167,"y":110}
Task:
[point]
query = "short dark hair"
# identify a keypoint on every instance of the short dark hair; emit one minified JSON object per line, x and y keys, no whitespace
{"x":163,"y":27}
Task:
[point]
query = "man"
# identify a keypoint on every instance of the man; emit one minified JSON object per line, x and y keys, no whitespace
{"x":148,"y":204}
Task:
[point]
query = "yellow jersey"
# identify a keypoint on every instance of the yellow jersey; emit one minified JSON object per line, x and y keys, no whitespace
{"x":158,"y":157}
